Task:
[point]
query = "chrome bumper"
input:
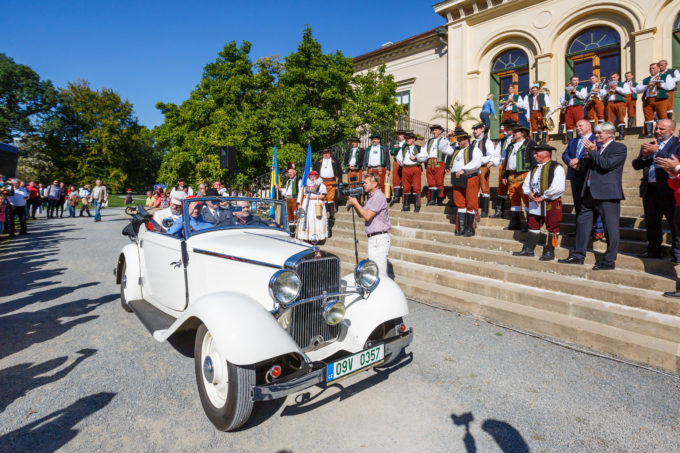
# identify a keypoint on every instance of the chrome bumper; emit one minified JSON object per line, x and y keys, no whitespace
{"x":276,"y":390}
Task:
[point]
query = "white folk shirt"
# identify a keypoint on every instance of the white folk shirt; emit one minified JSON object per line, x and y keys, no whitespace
{"x":471,"y":167}
{"x":582,"y":94}
{"x":491,"y":152}
{"x":410,"y":157}
{"x":326,"y":170}
{"x":553,"y":192}
{"x":374,"y":156}
{"x":443,"y":147}
{"x":317,"y":187}
{"x":354,"y":153}
{"x":524,"y":103}
{"x":512,"y":158}
{"x":398,"y":156}
{"x":673,"y":74}
{"x":505,"y":144}
{"x":668,"y":85}
{"x":623,"y":91}
{"x":288,"y":190}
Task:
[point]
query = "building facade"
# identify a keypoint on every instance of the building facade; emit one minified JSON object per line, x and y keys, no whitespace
{"x":493,"y":43}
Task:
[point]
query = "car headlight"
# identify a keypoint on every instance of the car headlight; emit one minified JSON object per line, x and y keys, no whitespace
{"x":284,"y":286}
{"x":366,"y":275}
{"x":334,"y":312}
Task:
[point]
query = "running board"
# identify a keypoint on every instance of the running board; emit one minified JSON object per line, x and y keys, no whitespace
{"x":151,"y":317}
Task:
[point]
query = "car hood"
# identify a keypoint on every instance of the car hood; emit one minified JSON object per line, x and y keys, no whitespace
{"x":263,"y":245}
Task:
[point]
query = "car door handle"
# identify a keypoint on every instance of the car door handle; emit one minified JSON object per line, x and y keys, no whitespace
{"x":176,"y":264}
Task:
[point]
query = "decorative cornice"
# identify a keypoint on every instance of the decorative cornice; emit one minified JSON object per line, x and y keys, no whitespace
{"x":418,"y":43}
{"x":644,"y":32}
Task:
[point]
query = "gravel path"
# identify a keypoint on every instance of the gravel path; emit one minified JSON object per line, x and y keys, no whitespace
{"x":78,"y":373}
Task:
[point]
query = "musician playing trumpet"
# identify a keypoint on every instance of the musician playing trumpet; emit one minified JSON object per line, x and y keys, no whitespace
{"x":509,"y":105}
{"x":595,"y":106}
{"x":615,"y":93}
{"x":535,"y":104}
{"x":655,"y":97}
{"x":573,"y":97}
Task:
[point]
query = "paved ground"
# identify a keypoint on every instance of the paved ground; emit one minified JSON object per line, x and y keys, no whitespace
{"x":78,"y":373}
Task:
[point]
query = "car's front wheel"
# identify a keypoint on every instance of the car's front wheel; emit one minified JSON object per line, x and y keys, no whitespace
{"x":123,"y":288}
{"x":224,"y":388}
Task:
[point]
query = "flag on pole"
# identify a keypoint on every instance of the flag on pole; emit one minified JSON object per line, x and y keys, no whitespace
{"x":308,"y":165}
{"x":274,"y":183}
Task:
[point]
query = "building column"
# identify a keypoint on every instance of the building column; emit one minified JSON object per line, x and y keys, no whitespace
{"x":643,"y":55}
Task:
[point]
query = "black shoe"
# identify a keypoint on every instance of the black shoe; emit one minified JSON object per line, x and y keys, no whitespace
{"x":671,"y":294}
{"x":529,"y":246}
{"x":417,"y":207}
{"x":603,"y":267}
{"x":549,"y":248}
{"x":469,"y":224}
{"x":440,"y":201}
{"x":631,"y":122}
{"x":570,"y":260}
{"x":432,"y":199}
{"x":407,"y":202}
{"x":462,"y":223}
{"x":515,"y":221}
{"x":500,"y":207}
{"x":485,"y":207}
{"x":621,"y":132}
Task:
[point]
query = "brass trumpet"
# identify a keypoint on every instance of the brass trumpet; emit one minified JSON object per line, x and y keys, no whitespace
{"x":612,"y":88}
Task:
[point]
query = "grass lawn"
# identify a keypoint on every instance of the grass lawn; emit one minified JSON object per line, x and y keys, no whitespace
{"x":116,"y":200}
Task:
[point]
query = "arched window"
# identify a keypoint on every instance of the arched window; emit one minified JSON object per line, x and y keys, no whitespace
{"x":513,"y":59}
{"x":595,"y":51}
{"x":676,"y":24}
{"x":594,"y":40}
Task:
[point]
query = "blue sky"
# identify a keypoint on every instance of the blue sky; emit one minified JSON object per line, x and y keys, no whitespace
{"x":150,"y":51}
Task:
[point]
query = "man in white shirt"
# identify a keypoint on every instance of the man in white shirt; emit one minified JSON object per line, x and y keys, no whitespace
{"x":572,"y":98}
{"x":501,"y":151}
{"x":84,"y":194}
{"x":655,"y":98}
{"x":615,"y":93}
{"x":169,"y":214}
{"x":465,"y":163}
{"x":489,"y":159}
{"x":436,"y":153}
{"x":17,"y":207}
{"x":675,"y":75}
{"x":519,"y":159}
{"x":396,"y":168}
{"x":377,"y":160}
{"x":411,"y":159}
{"x":544,"y":186}
{"x":534,"y":103}
{"x":290,"y":191}
{"x":354,"y":162}
{"x":594,"y":104}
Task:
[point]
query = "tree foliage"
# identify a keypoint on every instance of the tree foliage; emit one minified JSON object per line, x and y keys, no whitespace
{"x":456,"y":113}
{"x":307,"y":98}
{"x":23,"y":98}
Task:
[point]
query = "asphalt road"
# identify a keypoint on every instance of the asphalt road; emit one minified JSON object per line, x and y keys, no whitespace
{"x":78,"y":373}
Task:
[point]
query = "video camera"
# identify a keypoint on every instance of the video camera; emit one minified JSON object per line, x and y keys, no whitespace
{"x":348,"y":190}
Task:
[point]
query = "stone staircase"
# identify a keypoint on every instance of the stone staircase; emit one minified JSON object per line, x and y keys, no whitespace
{"x":619,"y":312}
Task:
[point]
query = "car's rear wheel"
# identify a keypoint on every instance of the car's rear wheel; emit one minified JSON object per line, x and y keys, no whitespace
{"x":224,"y":388}
{"x":123,"y":288}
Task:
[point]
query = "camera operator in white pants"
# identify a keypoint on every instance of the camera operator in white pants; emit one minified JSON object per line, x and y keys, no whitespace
{"x":377,"y":227}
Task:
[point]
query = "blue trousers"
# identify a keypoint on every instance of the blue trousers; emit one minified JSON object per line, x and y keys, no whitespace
{"x":97,"y":208}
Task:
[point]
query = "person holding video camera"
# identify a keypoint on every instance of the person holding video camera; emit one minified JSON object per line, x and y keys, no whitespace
{"x":377,"y":219}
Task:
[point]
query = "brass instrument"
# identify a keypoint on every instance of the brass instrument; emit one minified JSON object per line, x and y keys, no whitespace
{"x":612,"y":88}
{"x":595,"y":90}
{"x":654,"y":89}
{"x":547,"y":122}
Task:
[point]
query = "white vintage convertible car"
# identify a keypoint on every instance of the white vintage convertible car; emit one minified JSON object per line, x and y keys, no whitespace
{"x":271,"y":315}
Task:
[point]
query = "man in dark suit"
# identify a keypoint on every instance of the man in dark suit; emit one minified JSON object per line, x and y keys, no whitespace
{"x":213,"y":213}
{"x":572,"y":157}
{"x":657,"y":197}
{"x":602,"y":193}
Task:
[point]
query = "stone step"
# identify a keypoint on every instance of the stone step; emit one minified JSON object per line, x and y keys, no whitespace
{"x":666,"y":327}
{"x":594,"y":335}
{"x":620,"y":286}
{"x":478,"y":247}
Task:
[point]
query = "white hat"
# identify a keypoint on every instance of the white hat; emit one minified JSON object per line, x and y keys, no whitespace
{"x":178,"y":196}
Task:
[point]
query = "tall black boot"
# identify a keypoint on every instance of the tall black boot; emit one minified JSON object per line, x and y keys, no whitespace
{"x":670,"y":115}
{"x":622,"y":132}
{"x":433,"y":197}
{"x":440,"y":200}
{"x":515,"y":221}
{"x":525,"y":225}
{"x":416,"y":202}
{"x":462,"y":223}
{"x":469,"y":224}
{"x":560,"y":131}
{"x":631,"y":122}
{"x":407,"y":204}
{"x":534,"y":137}
{"x":570,"y":135}
{"x":331,"y":209}
{"x":649,"y":128}
{"x":549,"y":248}
{"x":545,"y":137}
{"x":397,"y":195}
{"x":500,"y":207}
{"x":529,"y":245}
{"x":485,"y":206}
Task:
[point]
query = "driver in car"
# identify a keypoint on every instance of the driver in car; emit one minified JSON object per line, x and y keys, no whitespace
{"x":214,"y":213}
{"x":170,"y":214}
{"x":245,"y":217}
{"x":196,"y":222}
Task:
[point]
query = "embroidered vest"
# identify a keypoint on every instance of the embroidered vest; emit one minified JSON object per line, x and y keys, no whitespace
{"x":467,"y":153}
{"x":660,"y":92}
{"x":368,"y":155}
{"x":411,"y":156}
{"x":567,"y":96}
{"x":632,"y":87}
{"x":395,"y":149}
{"x":547,"y":175}
{"x":618,"y":97}
{"x":294,"y":186}
{"x":541,"y":101}
{"x":440,"y":157}
{"x":522,"y":164}
{"x":515,"y":98}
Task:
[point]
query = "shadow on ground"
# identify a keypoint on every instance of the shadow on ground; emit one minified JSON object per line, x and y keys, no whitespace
{"x":509,"y":440}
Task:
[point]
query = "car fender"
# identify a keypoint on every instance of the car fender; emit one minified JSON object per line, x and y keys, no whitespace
{"x":364,"y":315}
{"x":130,"y":255}
{"x":245,"y":332}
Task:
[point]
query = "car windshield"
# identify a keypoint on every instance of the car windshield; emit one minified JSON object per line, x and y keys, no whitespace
{"x":216,"y":213}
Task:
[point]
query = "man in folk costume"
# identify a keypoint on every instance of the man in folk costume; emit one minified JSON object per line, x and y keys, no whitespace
{"x":534,"y":103}
{"x":501,"y":151}
{"x":519,"y":159}
{"x":465,"y":162}
{"x":631,"y":98}
{"x":410,"y":159}
{"x":544,"y":186}
{"x":377,"y":160}
{"x":615,"y":93}
{"x":594,"y":104}
{"x":396,"y":168}
{"x":573,"y":97}
{"x":509,"y":105}
{"x":675,"y":75}
{"x":290,"y":191}
{"x":655,"y":97}
{"x":330,"y":171}
{"x":354,"y":161}
{"x":489,"y":159}
{"x":436,"y":153}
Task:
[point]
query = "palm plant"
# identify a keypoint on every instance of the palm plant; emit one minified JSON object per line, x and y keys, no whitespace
{"x":456,"y":113}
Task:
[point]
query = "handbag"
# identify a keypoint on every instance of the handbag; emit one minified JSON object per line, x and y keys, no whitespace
{"x":459,"y":182}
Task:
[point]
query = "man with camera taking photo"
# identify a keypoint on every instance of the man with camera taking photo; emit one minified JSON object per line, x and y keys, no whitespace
{"x":377,"y":227}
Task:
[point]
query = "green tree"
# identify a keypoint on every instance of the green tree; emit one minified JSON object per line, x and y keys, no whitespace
{"x":34,"y":163}
{"x":23,"y":98}
{"x":456,"y":113}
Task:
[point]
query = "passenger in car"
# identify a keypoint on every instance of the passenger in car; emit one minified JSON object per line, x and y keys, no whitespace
{"x":196,"y":222}
{"x":169,"y":214}
{"x":214,"y":213}
{"x":245,"y":217}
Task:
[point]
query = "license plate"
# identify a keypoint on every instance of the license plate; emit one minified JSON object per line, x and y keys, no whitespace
{"x":356,"y":362}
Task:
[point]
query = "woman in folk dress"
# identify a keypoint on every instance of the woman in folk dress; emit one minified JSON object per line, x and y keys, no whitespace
{"x":312,"y":199}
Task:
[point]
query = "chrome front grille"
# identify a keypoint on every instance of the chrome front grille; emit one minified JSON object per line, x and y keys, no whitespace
{"x":318,"y":276}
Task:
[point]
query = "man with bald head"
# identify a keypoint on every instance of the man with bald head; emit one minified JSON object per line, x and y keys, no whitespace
{"x":657,"y":197}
